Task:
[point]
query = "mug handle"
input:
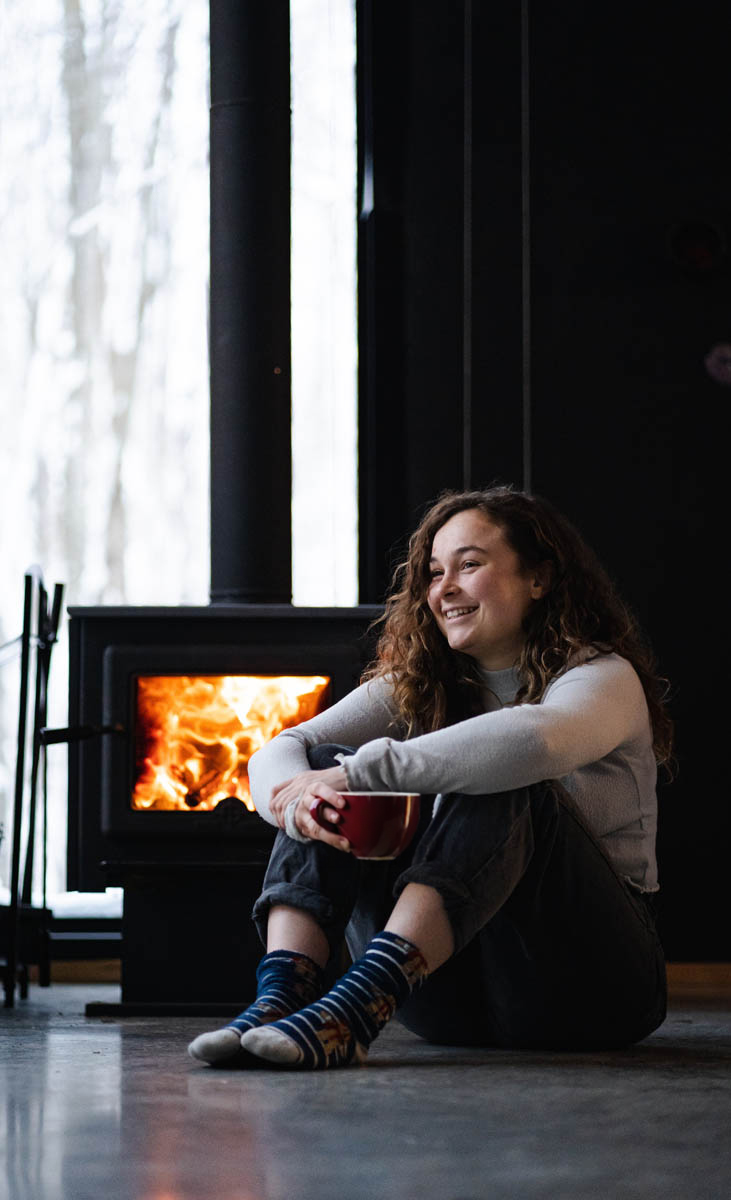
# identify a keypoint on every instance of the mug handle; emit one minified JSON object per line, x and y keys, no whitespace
{"x":316,"y":814}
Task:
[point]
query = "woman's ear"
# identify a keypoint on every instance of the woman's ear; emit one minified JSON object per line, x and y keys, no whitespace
{"x":542,"y":580}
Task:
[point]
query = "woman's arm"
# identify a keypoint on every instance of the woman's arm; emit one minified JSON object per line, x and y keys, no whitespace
{"x":364,"y":714}
{"x":585,"y":714}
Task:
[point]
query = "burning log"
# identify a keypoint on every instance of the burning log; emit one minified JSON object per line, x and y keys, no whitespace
{"x":195,"y":735}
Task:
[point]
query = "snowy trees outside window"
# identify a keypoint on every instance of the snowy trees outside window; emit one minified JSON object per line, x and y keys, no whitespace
{"x":104,"y":453}
{"x":103,"y":355}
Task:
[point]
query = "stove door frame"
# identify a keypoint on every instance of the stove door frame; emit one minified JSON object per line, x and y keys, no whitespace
{"x":232,"y":639}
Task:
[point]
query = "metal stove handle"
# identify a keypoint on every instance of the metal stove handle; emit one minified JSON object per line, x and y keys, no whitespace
{"x":76,"y":733}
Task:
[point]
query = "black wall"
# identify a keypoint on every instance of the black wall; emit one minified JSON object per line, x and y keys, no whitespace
{"x":542,"y":273}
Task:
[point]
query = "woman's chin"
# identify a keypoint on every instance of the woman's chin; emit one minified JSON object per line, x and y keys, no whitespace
{"x":461,"y":644}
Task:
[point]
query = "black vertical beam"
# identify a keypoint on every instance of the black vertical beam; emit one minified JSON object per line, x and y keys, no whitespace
{"x":467,"y":252}
{"x":250,"y":343}
{"x":525,"y":163}
{"x":499,"y":245}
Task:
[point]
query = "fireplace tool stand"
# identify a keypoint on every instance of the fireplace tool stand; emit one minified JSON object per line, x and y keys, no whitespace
{"x":24,"y":928}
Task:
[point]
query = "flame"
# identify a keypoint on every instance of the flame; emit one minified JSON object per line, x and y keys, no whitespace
{"x":195,"y":735}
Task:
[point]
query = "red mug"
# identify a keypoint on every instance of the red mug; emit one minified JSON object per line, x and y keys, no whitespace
{"x":377,"y":824}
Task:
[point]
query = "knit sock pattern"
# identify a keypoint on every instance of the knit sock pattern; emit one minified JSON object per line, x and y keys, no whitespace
{"x":340,"y":1026}
{"x":286,"y":980}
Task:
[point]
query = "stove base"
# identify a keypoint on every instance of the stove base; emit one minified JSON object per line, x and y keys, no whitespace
{"x":138,"y":1008}
{"x":188,"y":938}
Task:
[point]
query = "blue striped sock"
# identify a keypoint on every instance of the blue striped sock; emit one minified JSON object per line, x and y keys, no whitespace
{"x":285,"y":982}
{"x":338,"y":1028}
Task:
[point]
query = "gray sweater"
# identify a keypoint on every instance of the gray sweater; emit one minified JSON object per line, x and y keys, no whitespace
{"x":591,"y":731}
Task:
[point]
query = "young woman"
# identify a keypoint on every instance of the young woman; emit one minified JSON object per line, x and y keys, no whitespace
{"x":512,"y":688}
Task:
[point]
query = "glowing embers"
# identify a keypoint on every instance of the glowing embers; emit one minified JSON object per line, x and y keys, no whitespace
{"x":195,"y":735}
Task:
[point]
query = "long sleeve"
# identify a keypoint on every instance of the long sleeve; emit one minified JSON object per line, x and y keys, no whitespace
{"x":591,"y":731}
{"x":586,"y":714}
{"x":364,"y":714}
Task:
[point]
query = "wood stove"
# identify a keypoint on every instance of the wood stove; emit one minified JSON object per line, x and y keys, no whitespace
{"x":165,"y":707}
{"x":114,"y":652}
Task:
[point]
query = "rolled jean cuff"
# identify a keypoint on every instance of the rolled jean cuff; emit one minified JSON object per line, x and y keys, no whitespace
{"x":295,"y":896}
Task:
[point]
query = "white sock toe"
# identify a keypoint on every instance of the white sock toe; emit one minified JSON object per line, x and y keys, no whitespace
{"x":271,"y":1044}
{"x":215,"y":1047}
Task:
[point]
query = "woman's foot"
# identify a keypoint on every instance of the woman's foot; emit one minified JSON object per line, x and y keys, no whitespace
{"x":338,"y":1028}
{"x":326,"y":1042}
{"x":286,"y":981}
{"x":221,"y":1045}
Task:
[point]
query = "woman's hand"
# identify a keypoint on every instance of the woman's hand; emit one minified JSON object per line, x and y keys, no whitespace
{"x":304,"y":789}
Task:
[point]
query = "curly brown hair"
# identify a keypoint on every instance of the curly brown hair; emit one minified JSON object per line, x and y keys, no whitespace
{"x":435,"y":686}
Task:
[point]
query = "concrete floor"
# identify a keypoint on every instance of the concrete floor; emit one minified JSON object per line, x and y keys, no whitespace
{"x":110,"y":1109}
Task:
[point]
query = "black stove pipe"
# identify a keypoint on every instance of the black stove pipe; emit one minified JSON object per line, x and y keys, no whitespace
{"x":250,"y":345}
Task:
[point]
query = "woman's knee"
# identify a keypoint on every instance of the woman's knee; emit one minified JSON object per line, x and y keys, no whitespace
{"x":477,"y":851}
{"x":322,"y":757}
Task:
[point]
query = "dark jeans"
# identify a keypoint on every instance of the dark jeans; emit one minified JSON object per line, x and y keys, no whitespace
{"x":552,"y":949}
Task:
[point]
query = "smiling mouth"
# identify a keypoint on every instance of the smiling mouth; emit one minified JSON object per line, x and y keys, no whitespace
{"x":451,"y":614}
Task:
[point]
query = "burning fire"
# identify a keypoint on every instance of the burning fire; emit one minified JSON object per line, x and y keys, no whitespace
{"x":195,"y":736}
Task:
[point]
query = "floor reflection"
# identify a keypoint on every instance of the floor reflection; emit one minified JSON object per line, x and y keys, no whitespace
{"x":115,"y":1110}
{"x":60,"y":1104}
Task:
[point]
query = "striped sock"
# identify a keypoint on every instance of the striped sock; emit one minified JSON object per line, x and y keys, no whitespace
{"x":338,"y":1028}
{"x":285,"y":982}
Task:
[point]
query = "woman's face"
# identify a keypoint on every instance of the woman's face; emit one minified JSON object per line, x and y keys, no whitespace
{"x":479,"y":594}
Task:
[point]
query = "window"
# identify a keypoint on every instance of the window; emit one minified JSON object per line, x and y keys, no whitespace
{"x":324,"y":340}
{"x":103,"y":355}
